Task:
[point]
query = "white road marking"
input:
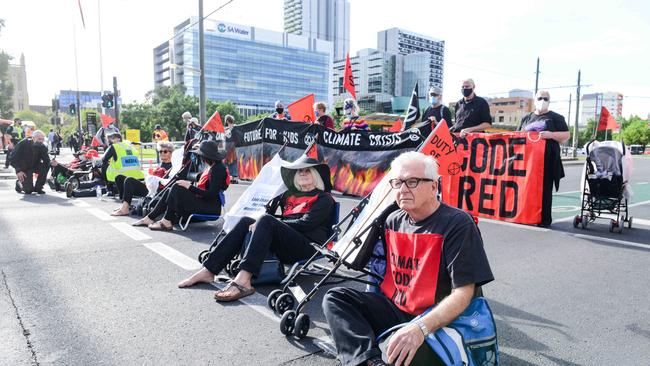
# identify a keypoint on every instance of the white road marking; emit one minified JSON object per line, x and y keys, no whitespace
{"x":641,"y":222}
{"x":174,"y":256}
{"x":616,"y":241}
{"x":256,"y":301}
{"x":80,"y":203}
{"x":100,"y":214}
{"x":518,"y":226}
{"x":130,"y":231}
{"x":568,"y":192}
{"x":639,"y":203}
{"x":642,"y":183}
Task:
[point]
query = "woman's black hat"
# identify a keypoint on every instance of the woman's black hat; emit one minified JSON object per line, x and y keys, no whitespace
{"x":288,"y":171}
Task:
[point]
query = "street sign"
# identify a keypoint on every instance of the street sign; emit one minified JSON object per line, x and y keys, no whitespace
{"x":133,"y":135}
{"x":91,"y":123}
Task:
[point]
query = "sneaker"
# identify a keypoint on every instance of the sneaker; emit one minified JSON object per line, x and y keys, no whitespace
{"x":19,"y":187}
{"x":39,"y":191}
{"x":376,"y":361}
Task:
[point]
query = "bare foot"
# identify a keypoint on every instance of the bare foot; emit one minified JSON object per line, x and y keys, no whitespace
{"x":145,"y":221}
{"x":120,"y":212}
{"x":202,"y":276}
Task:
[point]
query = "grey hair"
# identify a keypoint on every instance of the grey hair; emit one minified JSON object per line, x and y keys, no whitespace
{"x":194,"y":120}
{"x":38,"y":132}
{"x":542,"y":91}
{"x":430,"y":165}
{"x":186,"y":115}
{"x":471,"y":81}
{"x":318,"y":181}
{"x":165,"y":144}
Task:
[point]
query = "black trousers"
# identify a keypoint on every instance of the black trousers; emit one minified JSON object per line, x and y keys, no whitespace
{"x":28,"y":183}
{"x":129,"y":187}
{"x":270,"y":235}
{"x":356,"y":318}
{"x":180,"y":202}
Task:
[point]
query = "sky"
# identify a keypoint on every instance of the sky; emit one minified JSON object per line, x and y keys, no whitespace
{"x":495,"y":43}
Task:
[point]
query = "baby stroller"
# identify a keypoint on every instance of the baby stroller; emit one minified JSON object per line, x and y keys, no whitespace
{"x":606,"y":185}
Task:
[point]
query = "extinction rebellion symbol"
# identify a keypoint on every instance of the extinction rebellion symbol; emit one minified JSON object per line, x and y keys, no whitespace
{"x":221,"y":27}
{"x":309,"y":138}
{"x":453,"y":168}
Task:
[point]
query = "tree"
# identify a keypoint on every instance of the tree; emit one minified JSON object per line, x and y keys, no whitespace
{"x":6,"y":87}
{"x":637,"y":132}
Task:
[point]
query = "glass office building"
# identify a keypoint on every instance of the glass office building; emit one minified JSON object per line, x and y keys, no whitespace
{"x":249,"y":66}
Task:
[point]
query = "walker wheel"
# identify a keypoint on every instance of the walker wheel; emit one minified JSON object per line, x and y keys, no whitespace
{"x":619,"y":225}
{"x":612,"y":225}
{"x":629,"y":222}
{"x":203,"y":255}
{"x":576,"y":221}
{"x":302,"y":326}
{"x":272,"y":298}
{"x":288,"y":322}
{"x":284,"y":302}
{"x":583,"y":221}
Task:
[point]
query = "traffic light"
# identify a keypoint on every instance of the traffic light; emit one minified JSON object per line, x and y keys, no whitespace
{"x":108,"y":101}
{"x":72,"y":108}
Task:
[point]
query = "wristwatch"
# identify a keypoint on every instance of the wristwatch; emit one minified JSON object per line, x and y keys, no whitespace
{"x":423,"y":327}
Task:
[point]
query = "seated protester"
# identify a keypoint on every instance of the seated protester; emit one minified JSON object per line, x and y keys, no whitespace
{"x":307,"y":208}
{"x":130,"y":187}
{"x":322,"y":118}
{"x":119,"y":159}
{"x":280,"y":112}
{"x":353,"y":121}
{"x":184,"y":198}
{"x":439,"y":248}
{"x":552,"y":127}
{"x":30,"y":156}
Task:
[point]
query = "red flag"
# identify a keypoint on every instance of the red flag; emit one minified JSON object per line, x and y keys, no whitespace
{"x":397,"y":126}
{"x":607,"y":121}
{"x":348,"y":78}
{"x":303,"y":109}
{"x":95,"y":142}
{"x":441,"y":146}
{"x":214,"y":124}
{"x":106,"y":120}
{"x":312,"y":151}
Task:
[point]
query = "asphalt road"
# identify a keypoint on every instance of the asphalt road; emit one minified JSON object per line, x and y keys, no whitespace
{"x":78,"y":287}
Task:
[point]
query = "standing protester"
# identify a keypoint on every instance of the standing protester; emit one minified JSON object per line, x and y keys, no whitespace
{"x":472,"y":111}
{"x":280,"y":112}
{"x":50,"y":139}
{"x":193,"y":126}
{"x":322,"y":118}
{"x":449,"y":265}
{"x":352,"y":121}
{"x":29,"y":157}
{"x":553,"y":128}
{"x":159,"y":134}
{"x":436,"y":112}
{"x":16,"y":133}
{"x":230,"y":159}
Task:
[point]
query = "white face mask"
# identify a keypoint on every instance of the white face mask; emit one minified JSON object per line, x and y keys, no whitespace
{"x":541,"y":105}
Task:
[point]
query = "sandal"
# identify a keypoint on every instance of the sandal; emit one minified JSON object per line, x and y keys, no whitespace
{"x":158,"y":226}
{"x":227,"y":294}
{"x":141,"y":222}
{"x":118,"y":213}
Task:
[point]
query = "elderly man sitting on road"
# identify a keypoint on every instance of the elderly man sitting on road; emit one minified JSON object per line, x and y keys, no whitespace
{"x":434,"y":256}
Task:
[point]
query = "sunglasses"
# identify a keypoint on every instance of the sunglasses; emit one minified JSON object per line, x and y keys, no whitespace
{"x":165,"y":151}
{"x":543,"y":98}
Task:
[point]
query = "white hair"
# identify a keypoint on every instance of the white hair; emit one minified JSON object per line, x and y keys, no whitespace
{"x":318,"y":181}
{"x":37,"y":133}
{"x":194,"y":120}
{"x":430,"y":165}
{"x":471,"y":81}
{"x":186,"y":115}
{"x":165,"y":144}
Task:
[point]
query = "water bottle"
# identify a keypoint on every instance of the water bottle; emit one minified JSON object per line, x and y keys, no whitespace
{"x":98,"y":192}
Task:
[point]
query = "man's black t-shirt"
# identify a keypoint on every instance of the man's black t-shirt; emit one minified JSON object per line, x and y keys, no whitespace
{"x":425,"y":260}
{"x":440,"y":112}
{"x":549,"y":121}
{"x":470,"y":113}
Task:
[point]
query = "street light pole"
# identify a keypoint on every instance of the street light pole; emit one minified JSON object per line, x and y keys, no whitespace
{"x":201,"y":66}
{"x":575,"y":130}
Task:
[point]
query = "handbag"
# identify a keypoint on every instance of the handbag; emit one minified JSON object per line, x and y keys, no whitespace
{"x":469,"y":340}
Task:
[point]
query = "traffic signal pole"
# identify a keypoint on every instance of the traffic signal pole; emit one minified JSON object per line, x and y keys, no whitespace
{"x":115,"y":101}
{"x":78,"y":110}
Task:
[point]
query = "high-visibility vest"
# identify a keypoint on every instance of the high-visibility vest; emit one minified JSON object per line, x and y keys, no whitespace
{"x":17,"y":132}
{"x":126,"y":164}
{"x":160,"y":135}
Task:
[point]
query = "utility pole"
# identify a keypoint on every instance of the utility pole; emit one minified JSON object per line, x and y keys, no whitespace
{"x":117,"y":105}
{"x":568,"y":118}
{"x":575,"y":128}
{"x":537,"y":76}
{"x":201,"y":66}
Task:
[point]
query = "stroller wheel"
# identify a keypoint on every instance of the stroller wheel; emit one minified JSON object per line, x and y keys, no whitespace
{"x":203,"y":255}
{"x":288,"y":322}
{"x":612,"y":225}
{"x":576,"y":221}
{"x":583,"y":221}
{"x":272,"y":298}
{"x":68,"y":189}
{"x":284,"y":302}
{"x":233,"y":268}
{"x":619,"y":225}
{"x":629,"y":222}
{"x":301,"y":327}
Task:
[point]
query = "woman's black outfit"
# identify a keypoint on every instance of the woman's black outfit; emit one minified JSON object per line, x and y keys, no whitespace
{"x":305,"y":218}
{"x":202,"y":198}
{"x":129,"y":187}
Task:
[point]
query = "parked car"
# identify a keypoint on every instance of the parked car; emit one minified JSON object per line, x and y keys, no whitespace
{"x":637,"y":149}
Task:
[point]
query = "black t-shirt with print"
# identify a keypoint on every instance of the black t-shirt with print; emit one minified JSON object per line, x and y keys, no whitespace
{"x":425,"y":260}
{"x":470,"y":113}
{"x":549,"y":121}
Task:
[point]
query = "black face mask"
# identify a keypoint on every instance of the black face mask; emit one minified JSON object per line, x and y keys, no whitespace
{"x":279,"y":110}
{"x":467,"y":92}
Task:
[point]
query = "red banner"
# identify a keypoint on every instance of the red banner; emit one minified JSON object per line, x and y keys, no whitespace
{"x":501,"y":177}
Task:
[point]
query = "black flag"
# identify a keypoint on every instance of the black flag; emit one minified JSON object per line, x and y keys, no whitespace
{"x":413,"y":113}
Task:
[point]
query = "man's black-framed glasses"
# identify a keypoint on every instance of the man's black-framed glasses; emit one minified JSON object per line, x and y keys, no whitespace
{"x":410,"y":182}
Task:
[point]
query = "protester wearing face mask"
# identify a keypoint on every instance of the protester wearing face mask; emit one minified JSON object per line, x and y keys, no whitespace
{"x":280,"y":112}
{"x":472,"y":112}
{"x":553,"y":128}
{"x":352,"y":120}
{"x":322,"y":118}
{"x":436,"y":112}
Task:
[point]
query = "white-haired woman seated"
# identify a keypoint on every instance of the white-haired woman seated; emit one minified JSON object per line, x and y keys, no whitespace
{"x":307,"y":209}
{"x":129,"y":187}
